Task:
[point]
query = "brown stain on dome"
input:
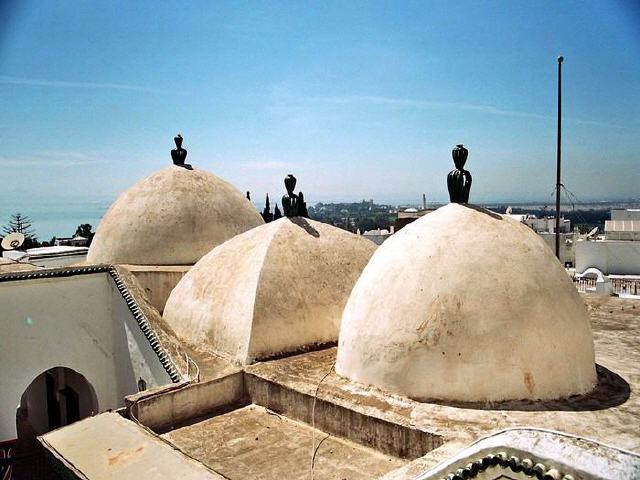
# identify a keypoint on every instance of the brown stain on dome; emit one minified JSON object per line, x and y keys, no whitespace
{"x":529,"y":382}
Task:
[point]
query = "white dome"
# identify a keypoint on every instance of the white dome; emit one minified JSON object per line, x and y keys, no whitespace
{"x":172,"y":217}
{"x":466,"y":305}
{"x":278,"y":288}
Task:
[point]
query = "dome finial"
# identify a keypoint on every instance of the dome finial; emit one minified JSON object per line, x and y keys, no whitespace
{"x":292,"y":204}
{"x":459,"y":180}
{"x":179,"y":154}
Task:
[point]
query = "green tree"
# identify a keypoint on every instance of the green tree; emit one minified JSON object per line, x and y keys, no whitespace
{"x":84,"y":230}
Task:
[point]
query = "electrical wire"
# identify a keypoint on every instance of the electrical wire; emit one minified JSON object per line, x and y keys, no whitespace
{"x":314,"y":449}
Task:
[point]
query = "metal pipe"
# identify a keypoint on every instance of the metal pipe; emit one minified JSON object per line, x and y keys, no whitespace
{"x":559,"y":155}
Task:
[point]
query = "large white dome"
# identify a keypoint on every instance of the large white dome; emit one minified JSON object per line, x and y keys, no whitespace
{"x":172,"y":217}
{"x":467,"y":305}
{"x":278,"y":288}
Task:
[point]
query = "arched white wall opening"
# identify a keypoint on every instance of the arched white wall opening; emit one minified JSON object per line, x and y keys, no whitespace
{"x":57,"y":397}
{"x":592,"y":273}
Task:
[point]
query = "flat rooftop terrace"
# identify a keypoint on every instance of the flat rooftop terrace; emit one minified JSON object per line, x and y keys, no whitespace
{"x":610,"y":414}
{"x":263,"y":421}
{"x":253,"y":442}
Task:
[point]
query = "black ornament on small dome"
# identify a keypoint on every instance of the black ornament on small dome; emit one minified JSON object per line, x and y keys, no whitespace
{"x":459,"y":180}
{"x":179,"y":154}
{"x":293,"y":205}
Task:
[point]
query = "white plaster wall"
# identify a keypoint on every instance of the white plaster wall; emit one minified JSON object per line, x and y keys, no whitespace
{"x":610,"y":257}
{"x":61,"y":261}
{"x":138,"y":358}
{"x":158,"y":281}
{"x":77,"y":322}
{"x":567,"y":251}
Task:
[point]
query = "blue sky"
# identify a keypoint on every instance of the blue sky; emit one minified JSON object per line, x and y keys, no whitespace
{"x":357,"y":99}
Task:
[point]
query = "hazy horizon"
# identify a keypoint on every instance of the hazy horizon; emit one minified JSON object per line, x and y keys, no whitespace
{"x":358,"y":100}
{"x":61,"y":217}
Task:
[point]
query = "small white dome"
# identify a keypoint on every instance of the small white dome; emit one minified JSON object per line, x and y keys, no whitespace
{"x":467,"y":305}
{"x":172,"y":217}
{"x":278,"y":288}
{"x":411,"y":210}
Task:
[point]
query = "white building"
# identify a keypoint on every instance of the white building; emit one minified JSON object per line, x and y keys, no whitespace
{"x":542,"y":225}
{"x":618,"y":252}
{"x":49,"y":257}
{"x":379,"y":235}
{"x":546,"y":227}
{"x":77,"y":241}
{"x":624,"y":225}
{"x":625,"y":214}
{"x":78,"y":339}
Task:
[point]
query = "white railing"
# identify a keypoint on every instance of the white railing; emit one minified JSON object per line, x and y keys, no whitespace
{"x":620,"y":286}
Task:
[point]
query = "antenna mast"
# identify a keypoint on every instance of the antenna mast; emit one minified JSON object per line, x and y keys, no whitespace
{"x":559,"y":156}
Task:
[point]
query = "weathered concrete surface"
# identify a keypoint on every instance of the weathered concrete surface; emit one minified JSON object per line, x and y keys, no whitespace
{"x":253,"y":443}
{"x":390,"y":438}
{"x":109,"y":447}
{"x":277,"y":288}
{"x":172,"y":217}
{"x":467,"y":305}
{"x":165,"y":408}
{"x":9,"y":266}
{"x":609,"y":414}
{"x":158,"y":281}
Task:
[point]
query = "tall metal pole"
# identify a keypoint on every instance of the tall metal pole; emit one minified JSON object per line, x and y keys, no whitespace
{"x":559,"y":156}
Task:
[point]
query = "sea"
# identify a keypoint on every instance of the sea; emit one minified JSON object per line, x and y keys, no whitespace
{"x":60,"y":217}
{"x":56,"y":217}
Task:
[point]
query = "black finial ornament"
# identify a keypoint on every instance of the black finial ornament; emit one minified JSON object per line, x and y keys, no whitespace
{"x":293,"y":205}
{"x":179,"y":154}
{"x":459,"y":180}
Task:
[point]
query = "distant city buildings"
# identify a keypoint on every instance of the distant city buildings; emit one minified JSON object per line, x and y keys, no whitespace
{"x":365,"y":215}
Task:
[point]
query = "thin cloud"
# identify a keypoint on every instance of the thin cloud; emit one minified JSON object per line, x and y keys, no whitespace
{"x":421,"y":104}
{"x":428,"y":104}
{"x":63,"y":84}
{"x":266,"y":165}
{"x":57,"y":159}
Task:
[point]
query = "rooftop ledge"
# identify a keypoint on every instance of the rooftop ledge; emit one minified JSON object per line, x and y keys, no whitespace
{"x":290,"y":404}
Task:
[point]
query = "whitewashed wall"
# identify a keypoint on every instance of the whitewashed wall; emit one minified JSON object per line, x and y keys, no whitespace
{"x":610,"y":257}
{"x":80,"y":322}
